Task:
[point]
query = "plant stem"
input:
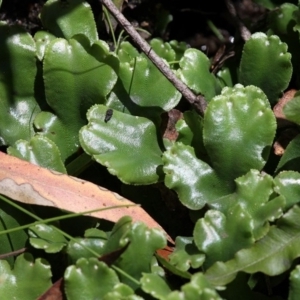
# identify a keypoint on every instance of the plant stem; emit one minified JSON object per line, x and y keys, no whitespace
{"x":244,"y":32}
{"x":110,"y":26}
{"x":198,"y":101}
{"x":215,"y":30}
{"x":13,"y":253}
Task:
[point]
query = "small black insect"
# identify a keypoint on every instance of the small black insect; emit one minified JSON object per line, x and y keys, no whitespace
{"x":108,"y":115}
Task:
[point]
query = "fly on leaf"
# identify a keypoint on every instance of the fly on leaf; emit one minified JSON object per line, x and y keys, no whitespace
{"x":108,"y":115}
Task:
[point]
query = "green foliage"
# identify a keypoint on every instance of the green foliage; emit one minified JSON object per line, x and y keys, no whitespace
{"x":45,"y":237}
{"x":68,"y":19}
{"x":197,"y":288}
{"x":186,"y":255}
{"x":42,"y":40}
{"x":232,"y":207}
{"x":194,"y":180}
{"x":82,"y":75}
{"x":82,"y":279}
{"x":227,"y":238}
{"x":143,"y":243}
{"x":294,"y":292}
{"x":11,"y":218}
{"x":141,"y":89}
{"x":155,"y":286}
{"x":291,"y":109}
{"x":290,"y":157}
{"x":263,"y":55}
{"x":251,"y":213}
{"x":28,"y":279}
{"x":164,"y":50}
{"x":121,"y":292}
{"x":190,"y":132}
{"x":238,"y":130}
{"x":272,"y":261}
{"x":39,"y":150}
{"x":270,"y":4}
{"x":93,"y":239}
{"x":111,"y":144}
{"x":287,"y":185}
{"x":194,"y":65}
{"x":18,"y":106}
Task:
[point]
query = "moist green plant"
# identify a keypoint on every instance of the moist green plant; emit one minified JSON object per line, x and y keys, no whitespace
{"x":63,"y":92}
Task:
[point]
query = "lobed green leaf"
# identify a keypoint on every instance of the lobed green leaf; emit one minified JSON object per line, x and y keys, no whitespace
{"x":82,"y":280}
{"x":294,"y":292}
{"x":238,"y":131}
{"x":155,"y":286}
{"x":194,"y":72}
{"x":121,"y":292}
{"x":76,"y":76}
{"x":141,"y":86}
{"x":143,"y":244}
{"x":292,"y":108}
{"x":18,"y":71}
{"x":28,"y":280}
{"x":40,"y":151}
{"x":255,"y":193}
{"x":282,"y":19}
{"x":179,"y":48}
{"x":94,"y":239}
{"x":163,"y":50}
{"x":290,"y":159}
{"x":186,"y":255}
{"x":125,"y":144}
{"x":219,"y":237}
{"x":287,"y":185}
{"x":284,"y":22}
{"x":66,"y":19}
{"x":43,"y":236}
{"x":195,"y":182}
{"x":262,"y":56}
{"x":197,"y":289}
{"x":11,"y":218}
{"x":272,"y":255}
{"x":42,"y":40}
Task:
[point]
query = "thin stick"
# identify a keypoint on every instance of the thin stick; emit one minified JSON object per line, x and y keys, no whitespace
{"x":12,"y":253}
{"x":244,"y":32}
{"x":198,"y":101}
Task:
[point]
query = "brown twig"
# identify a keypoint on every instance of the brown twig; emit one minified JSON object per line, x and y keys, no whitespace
{"x":198,"y":101}
{"x":244,"y":32}
{"x":12,"y":253}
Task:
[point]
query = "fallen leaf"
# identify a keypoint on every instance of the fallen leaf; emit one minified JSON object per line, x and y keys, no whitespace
{"x":111,"y":257}
{"x":165,"y":252}
{"x":55,"y":292}
{"x":169,"y":121}
{"x":284,"y":138}
{"x":278,"y":108}
{"x":28,"y":183}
